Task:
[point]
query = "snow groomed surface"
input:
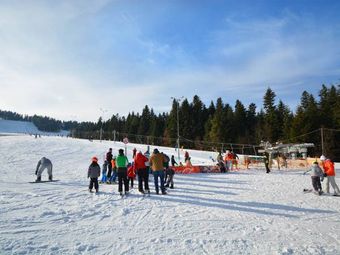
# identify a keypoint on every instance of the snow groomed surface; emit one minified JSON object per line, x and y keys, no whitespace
{"x":244,"y":212}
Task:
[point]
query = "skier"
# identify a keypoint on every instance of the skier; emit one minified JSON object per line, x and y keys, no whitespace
{"x":134,"y":151}
{"x":165,"y":165}
{"x":156,"y":161}
{"x":266,"y":161}
{"x":328,"y":168}
{"x":173,"y":161}
{"x":228,"y":158}
{"x":142,"y":170}
{"x":186,"y":156}
{"x":109,"y":164}
{"x":93,"y":173}
{"x":317,"y":177}
{"x":221,"y":165}
{"x":104,"y":169}
{"x":131,"y":174}
{"x":114,"y":171}
{"x":219,"y":157}
{"x":121,"y":163}
{"x":170,"y":172}
{"x":42,"y":164}
{"x":234,"y":160}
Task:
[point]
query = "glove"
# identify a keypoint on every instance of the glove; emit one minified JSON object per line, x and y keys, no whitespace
{"x":324,"y":175}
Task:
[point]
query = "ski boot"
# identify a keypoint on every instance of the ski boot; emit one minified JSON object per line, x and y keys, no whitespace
{"x":50,"y":178}
{"x":172,"y":186}
{"x":38,"y":179}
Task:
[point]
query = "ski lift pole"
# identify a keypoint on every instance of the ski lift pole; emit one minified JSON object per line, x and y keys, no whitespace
{"x":322,"y":145}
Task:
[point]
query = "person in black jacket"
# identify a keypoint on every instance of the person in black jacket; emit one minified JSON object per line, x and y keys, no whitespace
{"x":266,"y":161}
{"x":109,"y":163}
{"x":173,"y":161}
{"x":93,"y":173}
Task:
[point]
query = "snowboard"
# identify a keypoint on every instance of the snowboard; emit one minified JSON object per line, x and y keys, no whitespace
{"x":44,"y":181}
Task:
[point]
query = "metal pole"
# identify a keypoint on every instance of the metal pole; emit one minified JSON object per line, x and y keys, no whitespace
{"x":114,"y":135}
{"x":178,"y":148}
{"x":101,"y":131}
{"x":101,"y":128}
{"x":322,"y":146}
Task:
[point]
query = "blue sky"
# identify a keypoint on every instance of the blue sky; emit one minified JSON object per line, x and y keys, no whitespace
{"x":69,"y":59}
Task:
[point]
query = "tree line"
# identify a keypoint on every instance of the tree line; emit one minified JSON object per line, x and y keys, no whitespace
{"x":219,"y":125}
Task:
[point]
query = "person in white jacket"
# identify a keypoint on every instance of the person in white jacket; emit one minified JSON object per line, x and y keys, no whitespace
{"x":43,"y":163}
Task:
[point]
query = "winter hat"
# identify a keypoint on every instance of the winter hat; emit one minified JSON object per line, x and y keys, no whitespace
{"x":155,"y":151}
{"x":121,"y":151}
{"x":94,"y":159}
{"x":322,"y":158}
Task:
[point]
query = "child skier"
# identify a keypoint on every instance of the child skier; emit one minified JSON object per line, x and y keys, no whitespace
{"x":93,"y":173}
{"x":317,"y":176}
{"x":131,"y":174}
{"x":170,"y":177}
{"x":104,"y":169}
{"x":114,"y":171}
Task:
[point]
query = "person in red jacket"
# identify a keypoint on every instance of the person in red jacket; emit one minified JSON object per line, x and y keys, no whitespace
{"x":131,"y":174}
{"x":141,"y":163}
{"x":329,"y":172}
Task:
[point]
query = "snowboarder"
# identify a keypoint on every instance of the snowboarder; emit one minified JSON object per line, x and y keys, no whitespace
{"x":156,"y":162}
{"x":142,"y":170}
{"x":317,"y":177}
{"x":121,"y":163}
{"x":131,"y":174}
{"x":328,"y":168}
{"x":93,"y":173}
{"x":42,"y":164}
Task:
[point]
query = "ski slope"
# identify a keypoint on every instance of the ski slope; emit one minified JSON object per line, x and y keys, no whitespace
{"x":245,"y":212}
{"x":24,"y":127}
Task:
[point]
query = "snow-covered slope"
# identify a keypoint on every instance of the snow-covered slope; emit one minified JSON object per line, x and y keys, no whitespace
{"x":246,"y":212}
{"x":25,"y":127}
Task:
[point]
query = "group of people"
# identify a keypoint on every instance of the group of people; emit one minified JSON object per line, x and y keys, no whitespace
{"x":142,"y":165}
{"x":229,"y":161}
{"x":318,"y":175}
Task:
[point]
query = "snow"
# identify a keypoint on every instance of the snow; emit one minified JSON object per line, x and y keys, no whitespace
{"x":244,"y":212}
{"x":24,"y":127}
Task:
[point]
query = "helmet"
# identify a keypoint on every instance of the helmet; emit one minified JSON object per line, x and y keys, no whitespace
{"x":322,"y":158}
{"x":94,"y":159}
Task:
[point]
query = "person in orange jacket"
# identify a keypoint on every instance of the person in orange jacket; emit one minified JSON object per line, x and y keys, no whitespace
{"x":113,"y":177}
{"x":329,"y":172}
{"x":131,"y":174}
{"x":228,"y":158}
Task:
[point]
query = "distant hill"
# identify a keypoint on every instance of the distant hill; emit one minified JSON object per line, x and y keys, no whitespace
{"x":24,"y":127}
